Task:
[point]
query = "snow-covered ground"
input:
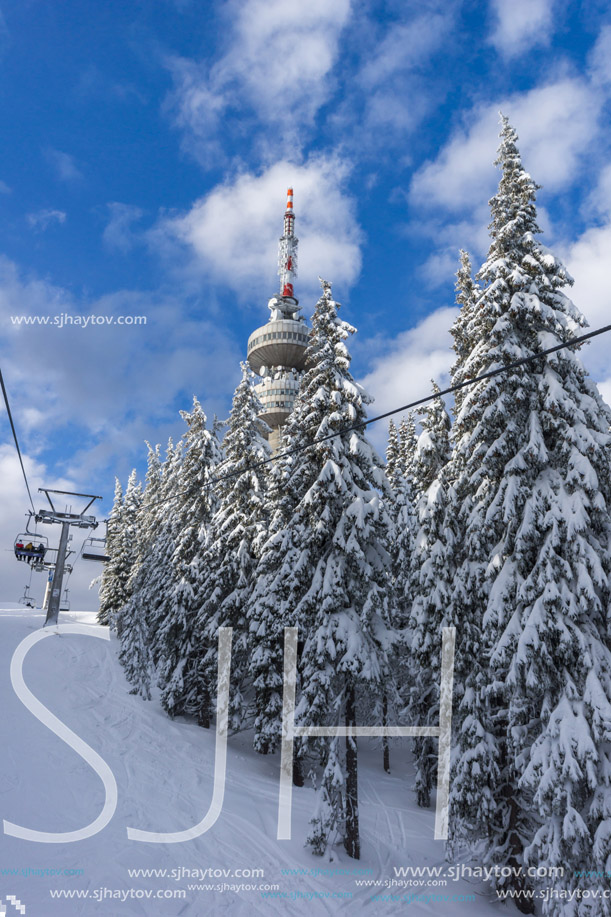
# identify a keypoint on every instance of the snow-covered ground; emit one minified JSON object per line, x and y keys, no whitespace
{"x":164,"y":772}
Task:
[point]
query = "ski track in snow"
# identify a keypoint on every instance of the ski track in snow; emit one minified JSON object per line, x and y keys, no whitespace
{"x":164,"y":771}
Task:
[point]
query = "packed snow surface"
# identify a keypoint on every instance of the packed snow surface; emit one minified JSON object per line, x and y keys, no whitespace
{"x":164,"y":772}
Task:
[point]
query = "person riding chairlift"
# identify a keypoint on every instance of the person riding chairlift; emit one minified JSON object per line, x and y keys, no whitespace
{"x":30,"y":549}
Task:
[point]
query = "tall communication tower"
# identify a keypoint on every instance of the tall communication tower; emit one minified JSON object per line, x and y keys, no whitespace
{"x":276,"y":351}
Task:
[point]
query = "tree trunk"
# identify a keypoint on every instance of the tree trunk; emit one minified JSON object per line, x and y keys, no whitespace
{"x":385,"y":745}
{"x":524,"y":905}
{"x":297,"y":771}
{"x":203,"y":714}
{"x":513,"y":842}
{"x":352,"y":843}
{"x":298,"y":778}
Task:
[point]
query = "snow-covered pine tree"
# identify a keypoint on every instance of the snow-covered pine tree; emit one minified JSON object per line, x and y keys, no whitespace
{"x":159,"y":582}
{"x":532,"y":774}
{"x":124,"y":545}
{"x":269,"y":610}
{"x":271,"y":604}
{"x":237,"y":533}
{"x":407,"y":448}
{"x":402,"y":513}
{"x":194,"y":506}
{"x":431,"y":593}
{"x":116,"y":569}
{"x":464,"y":330}
{"x":337,"y":571}
{"x":401,"y":510}
{"x":134,"y":655}
{"x":393,"y":454}
{"x":437,"y":542}
{"x":432,"y":452}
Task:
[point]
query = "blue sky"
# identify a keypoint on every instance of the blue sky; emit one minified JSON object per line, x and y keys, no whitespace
{"x":146,"y":152}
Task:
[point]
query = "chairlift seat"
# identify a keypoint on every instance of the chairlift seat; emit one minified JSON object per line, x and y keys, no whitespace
{"x":26,"y":599}
{"x":33,"y":538}
{"x":95,"y":549}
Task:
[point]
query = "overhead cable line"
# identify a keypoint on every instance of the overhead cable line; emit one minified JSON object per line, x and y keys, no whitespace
{"x":10,"y":417}
{"x":575,"y":342}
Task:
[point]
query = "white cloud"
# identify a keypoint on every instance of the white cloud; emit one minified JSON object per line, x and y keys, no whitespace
{"x":600,"y":57}
{"x":605,"y":390}
{"x":14,"y":501}
{"x":599,"y":201}
{"x":42,"y":219}
{"x":64,"y":165}
{"x":588,"y":260}
{"x":521,"y":25}
{"x":405,"y":47}
{"x":118,"y":234}
{"x":557,"y":125}
{"x":286,"y":49}
{"x":395,"y":83}
{"x":105,"y":389}
{"x":449,"y":236}
{"x":233,"y":232}
{"x":402,"y":373}
{"x":277,"y":64}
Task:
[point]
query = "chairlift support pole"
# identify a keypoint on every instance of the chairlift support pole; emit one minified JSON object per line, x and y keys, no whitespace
{"x":45,"y":601}
{"x":66,"y":519}
{"x":58,"y":576}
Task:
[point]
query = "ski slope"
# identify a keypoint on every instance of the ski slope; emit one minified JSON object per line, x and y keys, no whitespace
{"x":164,"y":774}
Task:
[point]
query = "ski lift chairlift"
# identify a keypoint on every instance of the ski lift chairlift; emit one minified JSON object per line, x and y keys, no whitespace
{"x":35,"y":556}
{"x":94,"y":549}
{"x":26,"y":599}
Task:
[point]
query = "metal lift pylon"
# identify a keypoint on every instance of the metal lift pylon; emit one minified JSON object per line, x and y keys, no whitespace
{"x":66,"y":519}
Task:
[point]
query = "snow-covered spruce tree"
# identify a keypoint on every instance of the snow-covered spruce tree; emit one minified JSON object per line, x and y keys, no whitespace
{"x":116,"y":569}
{"x":237,"y":532}
{"x":402,"y":513}
{"x":125,"y":548}
{"x":338,"y":568}
{"x":159,"y":575}
{"x":431,"y":592}
{"x":134,"y":654}
{"x":437,"y":542}
{"x":400,"y":471}
{"x":269,"y":610}
{"x":433,"y":449}
{"x":407,"y":448}
{"x":393,"y":454}
{"x":532,"y":770}
{"x":271,"y":603}
{"x":194,"y":506}
{"x":401,"y":510}
{"x":465,"y":329}
{"x":329,"y":811}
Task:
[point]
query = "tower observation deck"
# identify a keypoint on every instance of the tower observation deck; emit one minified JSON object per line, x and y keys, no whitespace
{"x":276,"y":351}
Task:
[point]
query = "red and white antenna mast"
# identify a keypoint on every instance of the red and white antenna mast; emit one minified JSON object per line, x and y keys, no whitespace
{"x":287,"y":251}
